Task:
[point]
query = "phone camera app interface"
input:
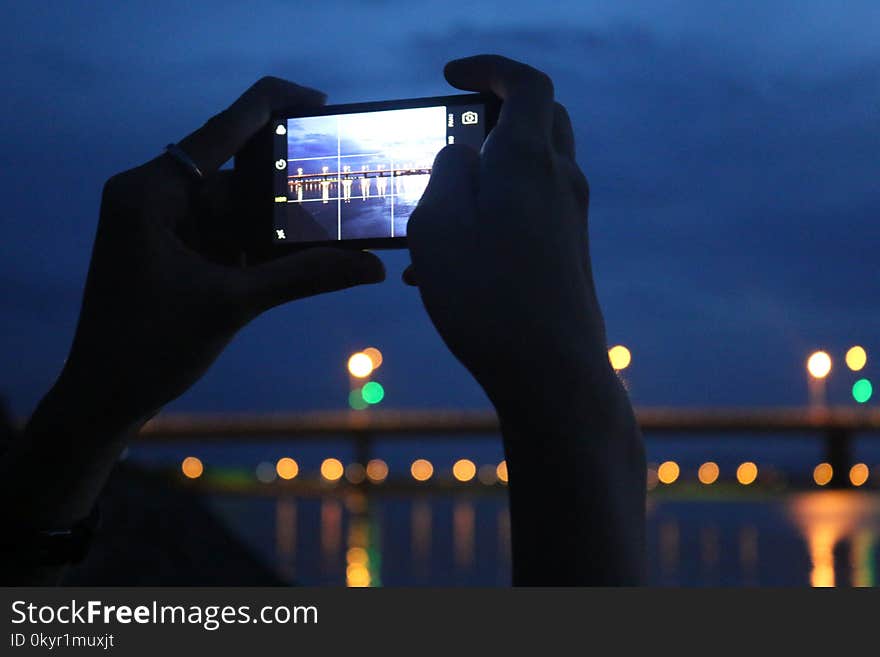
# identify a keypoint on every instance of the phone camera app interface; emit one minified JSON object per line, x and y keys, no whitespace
{"x":360,"y":175}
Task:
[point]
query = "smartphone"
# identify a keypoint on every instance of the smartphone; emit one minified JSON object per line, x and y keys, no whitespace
{"x":351,"y":175}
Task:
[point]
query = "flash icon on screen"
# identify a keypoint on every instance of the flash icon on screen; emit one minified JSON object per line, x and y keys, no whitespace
{"x":469,"y":118}
{"x":280,"y":234}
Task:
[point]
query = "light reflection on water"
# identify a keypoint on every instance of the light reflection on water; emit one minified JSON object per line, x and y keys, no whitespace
{"x":828,"y":518}
{"x":822,"y":538}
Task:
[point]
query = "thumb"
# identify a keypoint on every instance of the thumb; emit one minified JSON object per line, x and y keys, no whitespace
{"x":310,"y":272}
{"x":449,"y":201}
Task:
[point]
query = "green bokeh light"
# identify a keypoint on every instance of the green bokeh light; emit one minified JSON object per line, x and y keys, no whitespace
{"x":862,"y":390}
{"x":356,"y":400}
{"x":373,"y":392}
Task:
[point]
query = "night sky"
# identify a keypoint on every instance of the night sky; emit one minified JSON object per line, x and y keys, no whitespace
{"x":733,"y":150}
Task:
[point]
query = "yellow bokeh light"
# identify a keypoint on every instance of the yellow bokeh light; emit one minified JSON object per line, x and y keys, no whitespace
{"x":287,"y":468}
{"x":374,"y":355}
{"x":421,"y":469}
{"x":192,"y":467}
{"x":357,"y":575}
{"x":746,"y":473}
{"x":464,"y":470}
{"x":819,"y":364}
{"x":360,"y":365}
{"x":355,"y":473}
{"x":501,"y":472}
{"x":620,"y":357}
{"x":668,"y":472}
{"x":357,"y":555}
{"x":858,"y":474}
{"x":856,"y":358}
{"x":377,"y":470}
{"x":331,"y":469}
{"x":708,"y":473}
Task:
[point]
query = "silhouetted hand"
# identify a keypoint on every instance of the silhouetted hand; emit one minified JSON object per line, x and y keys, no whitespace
{"x":501,"y":257}
{"x":499,"y":239}
{"x":164,"y":295}
{"x":166,"y":291}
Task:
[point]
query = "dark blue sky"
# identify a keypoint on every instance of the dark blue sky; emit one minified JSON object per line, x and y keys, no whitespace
{"x":732,"y":151}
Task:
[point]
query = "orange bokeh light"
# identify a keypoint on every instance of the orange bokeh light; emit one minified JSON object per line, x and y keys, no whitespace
{"x":421,"y":469}
{"x":464,"y":470}
{"x":192,"y":467}
{"x":332,"y":470}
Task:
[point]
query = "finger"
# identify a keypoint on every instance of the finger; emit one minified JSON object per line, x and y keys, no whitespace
{"x":227,"y":132}
{"x":210,"y":227}
{"x":217,"y":220}
{"x":450,"y":197}
{"x":563,"y":134}
{"x":454,"y":175}
{"x":310,"y":272}
{"x":527,"y":92}
{"x":218,"y":193}
{"x":409,"y":276}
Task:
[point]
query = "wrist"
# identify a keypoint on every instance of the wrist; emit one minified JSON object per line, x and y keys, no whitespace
{"x":57,"y":467}
{"x":560,"y":402}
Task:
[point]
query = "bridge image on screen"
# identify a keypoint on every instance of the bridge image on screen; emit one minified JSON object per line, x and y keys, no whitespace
{"x":359,"y":176}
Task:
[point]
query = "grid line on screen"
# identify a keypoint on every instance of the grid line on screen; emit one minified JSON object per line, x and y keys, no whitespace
{"x":392,"y":198}
{"x":338,"y":181}
{"x":381,"y":141}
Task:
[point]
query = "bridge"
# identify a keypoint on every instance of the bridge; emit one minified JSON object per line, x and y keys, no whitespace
{"x":837,"y":427}
{"x":300,"y":178}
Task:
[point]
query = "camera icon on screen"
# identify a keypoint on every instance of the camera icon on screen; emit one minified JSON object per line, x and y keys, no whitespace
{"x":469,"y":118}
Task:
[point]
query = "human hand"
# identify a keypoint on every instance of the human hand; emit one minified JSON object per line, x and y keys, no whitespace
{"x":164,"y":296}
{"x":499,"y":242}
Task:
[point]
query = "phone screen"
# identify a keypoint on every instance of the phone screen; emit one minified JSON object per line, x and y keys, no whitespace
{"x":359,"y":175}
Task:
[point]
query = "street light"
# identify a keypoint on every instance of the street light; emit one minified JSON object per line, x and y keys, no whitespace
{"x":819,"y":364}
{"x":620,"y":357}
{"x":818,"y":367}
{"x":360,"y":365}
{"x":362,"y":391}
